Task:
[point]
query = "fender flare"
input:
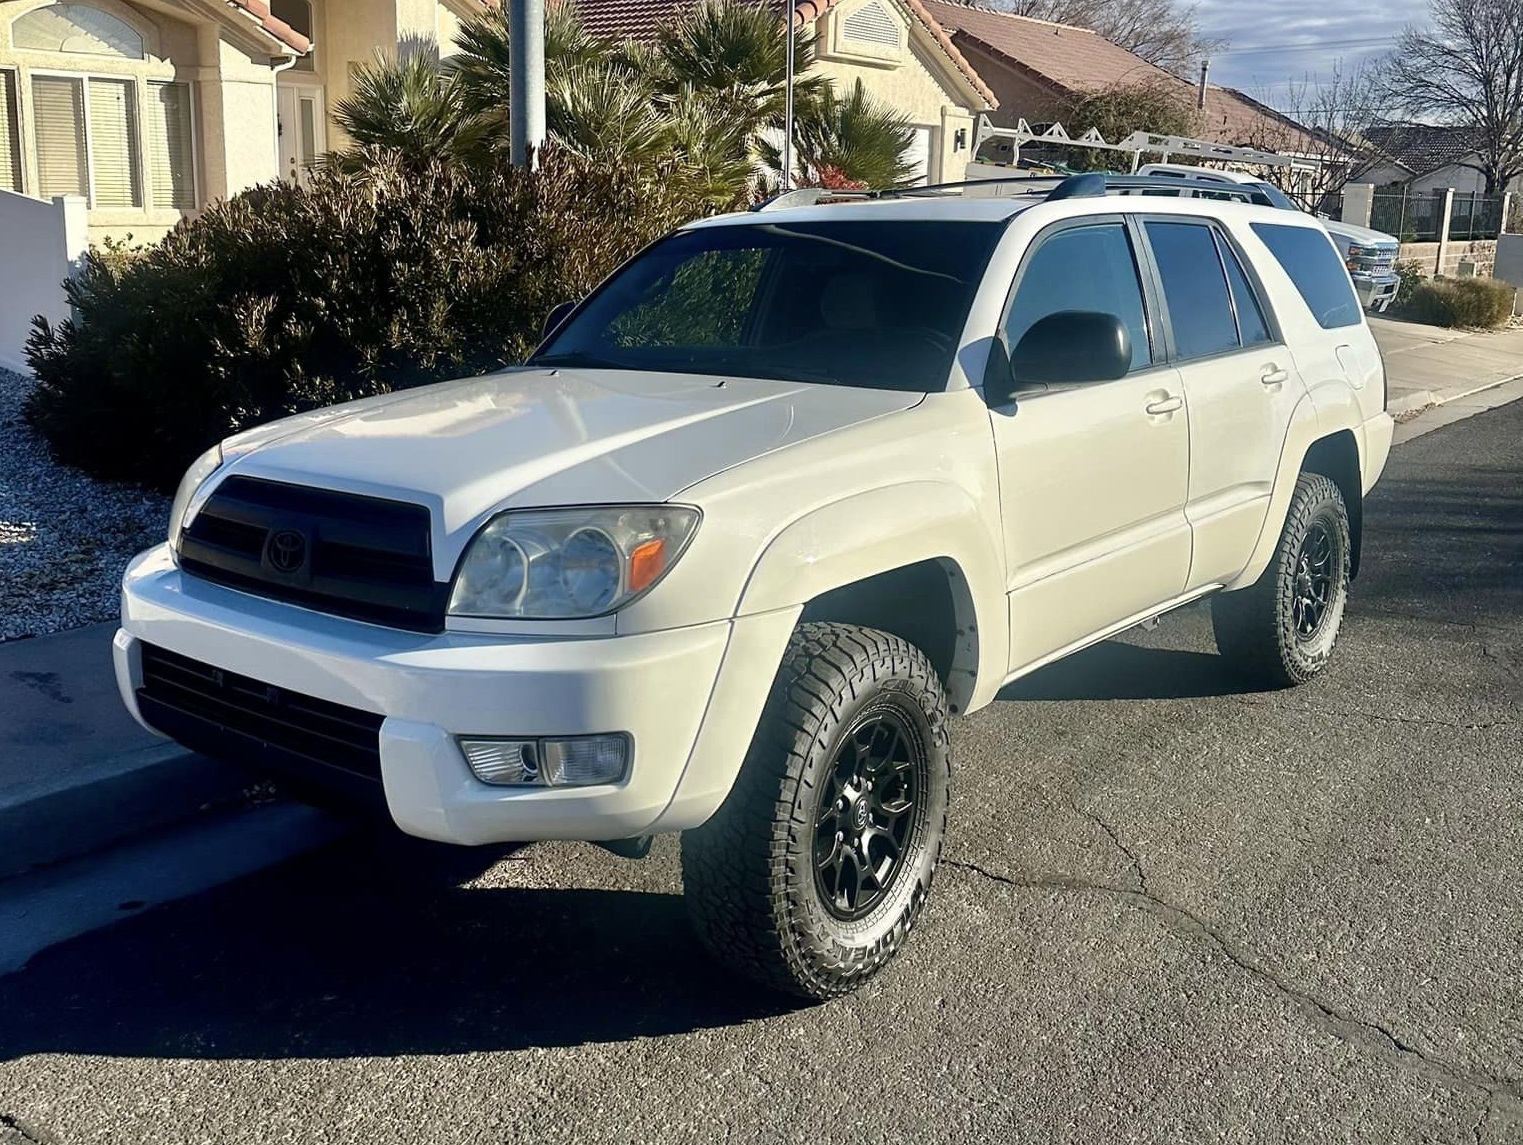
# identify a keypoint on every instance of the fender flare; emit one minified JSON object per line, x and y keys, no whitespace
{"x":1309,"y":424}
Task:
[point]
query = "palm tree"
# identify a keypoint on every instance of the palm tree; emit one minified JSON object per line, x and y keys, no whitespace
{"x":734,"y":53}
{"x":854,"y":139}
{"x":411,"y":106}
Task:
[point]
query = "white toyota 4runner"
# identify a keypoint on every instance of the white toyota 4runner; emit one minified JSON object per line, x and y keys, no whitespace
{"x":784,"y":493}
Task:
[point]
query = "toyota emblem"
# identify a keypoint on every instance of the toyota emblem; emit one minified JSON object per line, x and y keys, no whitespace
{"x":286,"y":551}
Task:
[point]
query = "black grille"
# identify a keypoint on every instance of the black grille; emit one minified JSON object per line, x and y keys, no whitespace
{"x":362,"y":557}
{"x":234,"y":717}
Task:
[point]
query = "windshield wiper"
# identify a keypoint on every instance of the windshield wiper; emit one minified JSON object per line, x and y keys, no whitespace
{"x":577,"y":358}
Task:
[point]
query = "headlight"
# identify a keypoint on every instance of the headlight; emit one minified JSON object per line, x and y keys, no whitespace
{"x":200,"y":469}
{"x":563,"y":564}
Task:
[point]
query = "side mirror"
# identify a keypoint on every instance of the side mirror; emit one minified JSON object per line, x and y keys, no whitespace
{"x":1073,"y":346}
{"x":556,"y":316}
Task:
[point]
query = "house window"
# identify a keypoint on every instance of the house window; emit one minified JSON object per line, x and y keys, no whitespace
{"x":171,"y":160}
{"x":298,"y":14}
{"x":77,"y":29}
{"x":87,"y":135}
{"x":871,"y":24}
{"x":10,"y":135}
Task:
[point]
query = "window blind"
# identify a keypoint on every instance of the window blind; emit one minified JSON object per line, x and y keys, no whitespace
{"x":58,"y":110}
{"x":171,"y":158}
{"x":10,"y":135}
{"x":113,"y":144}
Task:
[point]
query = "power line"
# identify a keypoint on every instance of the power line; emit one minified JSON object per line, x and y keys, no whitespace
{"x":1319,"y":46}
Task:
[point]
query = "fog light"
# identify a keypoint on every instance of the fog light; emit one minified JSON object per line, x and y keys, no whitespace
{"x":582,"y":762}
{"x":573,"y":762}
{"x":502,"y":761}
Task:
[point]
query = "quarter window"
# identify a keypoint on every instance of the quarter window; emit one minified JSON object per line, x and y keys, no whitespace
{"x":1307,"y":255}
{"x":1083,"y":268}
{"x":1194,"y":287}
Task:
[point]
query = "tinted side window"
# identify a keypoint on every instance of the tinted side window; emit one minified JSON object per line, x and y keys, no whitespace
{"x":1309,"y":258}
{"x":1251,"y":327}
{"x":1194,"y":287}
{"x":1083,"y":268}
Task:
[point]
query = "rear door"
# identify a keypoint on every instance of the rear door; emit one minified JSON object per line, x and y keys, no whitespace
{"x":1240,"y":383}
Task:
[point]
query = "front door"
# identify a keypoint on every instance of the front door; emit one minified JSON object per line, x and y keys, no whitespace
{"x":1092,"y":477}
{"x":302,"y":138}
{"x":1241,"y":385}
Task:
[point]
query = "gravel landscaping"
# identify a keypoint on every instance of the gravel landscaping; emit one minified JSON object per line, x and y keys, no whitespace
{"x":64,"y":537}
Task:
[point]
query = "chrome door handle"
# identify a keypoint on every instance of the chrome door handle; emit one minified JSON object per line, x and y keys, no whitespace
{"x":1165,"y":405}
{"x":1275,"y":376}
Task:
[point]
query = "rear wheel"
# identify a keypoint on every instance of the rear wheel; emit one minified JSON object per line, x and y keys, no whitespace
{"x":1281,"y":631}
{"x":814,"y":870}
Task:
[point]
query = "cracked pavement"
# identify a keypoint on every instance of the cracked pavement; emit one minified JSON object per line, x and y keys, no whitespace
{"x":1168,"y":911}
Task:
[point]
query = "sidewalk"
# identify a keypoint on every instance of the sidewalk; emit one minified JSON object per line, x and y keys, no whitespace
{"x":1432,"y":365}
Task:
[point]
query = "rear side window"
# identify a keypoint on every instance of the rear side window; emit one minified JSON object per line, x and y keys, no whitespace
{"x":1309,"y":258}
{"x":1200,"y":309}
{"x":1083,"y":268}
{"x":1251,"y":327}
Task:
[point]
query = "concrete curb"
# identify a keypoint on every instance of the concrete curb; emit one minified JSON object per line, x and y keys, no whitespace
{"x":1411,"y":402}
{"x":95,"y":807}
{"x":58,"y":903}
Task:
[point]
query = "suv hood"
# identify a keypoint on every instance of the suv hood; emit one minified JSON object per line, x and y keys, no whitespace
{"x":543,"y":437}
{"x":1364,"y":236}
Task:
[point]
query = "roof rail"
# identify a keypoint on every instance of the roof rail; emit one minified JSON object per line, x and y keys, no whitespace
{"x":1095,"y":183}
{"x":1089,"y":185}
{"x":808,"y":197}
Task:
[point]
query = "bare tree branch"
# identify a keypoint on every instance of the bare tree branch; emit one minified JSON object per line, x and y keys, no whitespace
{"x":1466,"y":69}
{"x":1163,"y":32}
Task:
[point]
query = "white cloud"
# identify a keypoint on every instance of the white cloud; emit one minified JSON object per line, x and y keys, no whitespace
{"x":1280,"y":41}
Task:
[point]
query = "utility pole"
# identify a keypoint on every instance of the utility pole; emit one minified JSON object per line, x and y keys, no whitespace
{"x":526,"y":81}
{"x":788,"y":14}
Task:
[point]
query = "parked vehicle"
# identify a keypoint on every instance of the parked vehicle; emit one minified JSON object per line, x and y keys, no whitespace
{"x":1370,"y":255}
{"x":787,"y":492}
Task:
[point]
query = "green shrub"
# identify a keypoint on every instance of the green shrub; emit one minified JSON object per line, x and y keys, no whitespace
{"x":287,"y":298}
{"x":1471,"y":302}
{"x":1412,"y":276}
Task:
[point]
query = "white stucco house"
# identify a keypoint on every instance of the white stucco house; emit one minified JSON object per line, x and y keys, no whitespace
{"x":150,"y":109}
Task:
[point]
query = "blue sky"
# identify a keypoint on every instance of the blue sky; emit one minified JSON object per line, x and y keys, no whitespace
{"x":1272,"y":41}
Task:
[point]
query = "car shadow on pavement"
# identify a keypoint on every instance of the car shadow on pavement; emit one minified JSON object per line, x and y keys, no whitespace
{"x":1117,"y":671}
{"x":361,"y":949}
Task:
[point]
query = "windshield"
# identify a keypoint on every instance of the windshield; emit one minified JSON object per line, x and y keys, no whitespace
{"x":879,"y":304}
{"x":1275,"y":196}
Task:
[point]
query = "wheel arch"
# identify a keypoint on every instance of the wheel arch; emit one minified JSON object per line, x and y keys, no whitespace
{"x":1310,"y":446}
{"x":1336,"y":457}
{"x":917,"y":559}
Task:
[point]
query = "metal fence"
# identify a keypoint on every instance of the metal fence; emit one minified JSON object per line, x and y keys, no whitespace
{"x":1415,"y":217}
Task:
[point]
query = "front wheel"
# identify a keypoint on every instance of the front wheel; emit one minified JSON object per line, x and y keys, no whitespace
{"x":813,"y":871}
{"x":1281,"y":631}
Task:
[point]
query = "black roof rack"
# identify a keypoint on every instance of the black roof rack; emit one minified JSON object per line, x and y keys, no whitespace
{"x":1091,"y":184}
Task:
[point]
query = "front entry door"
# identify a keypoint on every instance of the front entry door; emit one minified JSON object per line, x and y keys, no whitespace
{"x":1093,"y":477}
{"x":301,"y":130}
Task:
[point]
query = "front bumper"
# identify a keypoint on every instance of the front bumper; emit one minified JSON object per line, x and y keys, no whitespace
{"x":1377,"y":293}
{"x":663,"y":689}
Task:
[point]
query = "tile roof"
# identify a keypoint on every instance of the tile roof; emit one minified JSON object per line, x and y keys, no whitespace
{"x":642,"y":19}
{"x":277,"y":28}
{"x":1079,"y":61}
{"x":1070,"y":58}
{"x":1421,"y":147}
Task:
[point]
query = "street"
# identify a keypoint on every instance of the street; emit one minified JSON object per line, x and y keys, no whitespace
{"x":1168,"y":911}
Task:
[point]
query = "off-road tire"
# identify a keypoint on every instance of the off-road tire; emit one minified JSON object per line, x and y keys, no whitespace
{"x":749,"y":872}
{"x":1257,"y":627}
